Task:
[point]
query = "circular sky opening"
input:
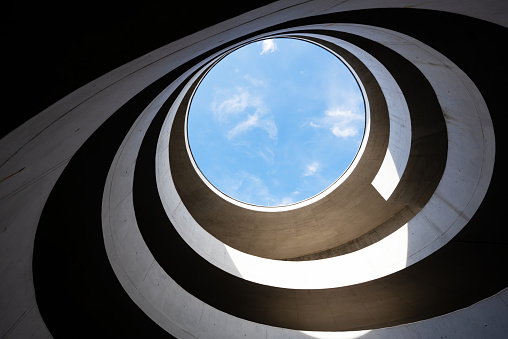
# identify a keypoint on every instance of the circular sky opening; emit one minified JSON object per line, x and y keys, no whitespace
{"x":276,"y":122}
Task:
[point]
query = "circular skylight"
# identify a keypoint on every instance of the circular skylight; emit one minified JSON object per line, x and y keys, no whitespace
{"x":276,"y":122}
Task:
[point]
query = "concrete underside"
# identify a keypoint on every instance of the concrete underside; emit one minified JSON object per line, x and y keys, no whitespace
{"x":58,"y":275}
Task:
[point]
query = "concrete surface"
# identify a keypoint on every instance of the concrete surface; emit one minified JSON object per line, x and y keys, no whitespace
{"x":57,"y":252}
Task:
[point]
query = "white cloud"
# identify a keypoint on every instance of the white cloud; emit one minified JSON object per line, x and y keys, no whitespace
{"x":267,"y":155}
{"x":254,"y":81}
{"x":268,"y":46}
{"x":270,"y":127}
{"x":341,"y":93}
{"x":251,"y":122}
{"x":286,"y":201}
{"x":342,"y":123}
{"x":344,"y":132}
{"x":249,"y":188}
{"x":245,"y":125}
{"x":228,"y":184}
{"x":233,"y":114}
{"x":311,"y":169}
{"x":343,"y":115}
{"x":236,"y":103}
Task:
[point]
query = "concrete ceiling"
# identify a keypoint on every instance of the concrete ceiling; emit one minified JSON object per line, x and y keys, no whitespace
{"x":52,"y":52}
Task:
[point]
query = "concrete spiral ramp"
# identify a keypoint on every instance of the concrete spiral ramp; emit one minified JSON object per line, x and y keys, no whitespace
{"x":108,"y":228}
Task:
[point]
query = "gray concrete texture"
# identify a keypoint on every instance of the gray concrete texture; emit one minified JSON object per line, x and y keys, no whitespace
{"x":107,"y":227}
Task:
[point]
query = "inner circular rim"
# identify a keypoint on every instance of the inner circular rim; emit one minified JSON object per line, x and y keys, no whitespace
{"x":265,"y":227}
{"x":315,"y":197}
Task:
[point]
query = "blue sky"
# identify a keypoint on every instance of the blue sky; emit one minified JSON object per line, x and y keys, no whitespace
{"x":276,"y":122}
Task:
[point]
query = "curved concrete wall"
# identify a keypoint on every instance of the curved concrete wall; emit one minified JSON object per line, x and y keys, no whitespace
{"x":120,"y":243}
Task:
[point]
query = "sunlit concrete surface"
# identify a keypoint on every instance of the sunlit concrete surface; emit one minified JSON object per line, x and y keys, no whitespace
{"x":105,"y":227}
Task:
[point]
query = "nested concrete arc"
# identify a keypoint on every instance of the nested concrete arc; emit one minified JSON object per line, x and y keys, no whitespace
{"x":371,"y":264}
{"x":245,"y":305}
{"x":113,"y":246}
{"x":348,"y":209}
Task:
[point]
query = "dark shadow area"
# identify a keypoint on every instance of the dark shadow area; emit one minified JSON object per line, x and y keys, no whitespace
{"x":52,"y":49}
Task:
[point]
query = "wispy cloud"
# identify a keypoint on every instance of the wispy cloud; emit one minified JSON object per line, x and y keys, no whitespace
{"x":236,"y":103}
{"x":254,"y":121}
{"x":342,"y":123}
{"x":341,"y":93}
{"x":343,"y":115}
{"x":267,"y":155}
{"x":344,"y":132}
{"x":254,"y":81}
{"x":311,"y":168}
{"x":286,"y":201}
{"x":246,"y":125}
{"x":250,"y":188}
{"x":239,"y":104}
{"x":268,"y":46}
